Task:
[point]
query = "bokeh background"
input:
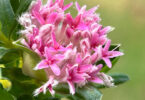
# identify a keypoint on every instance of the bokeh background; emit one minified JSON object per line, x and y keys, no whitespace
{"x":128,"y":18}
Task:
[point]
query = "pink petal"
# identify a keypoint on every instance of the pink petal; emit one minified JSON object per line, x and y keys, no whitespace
{"x":84,"y":68}
{"x":55,"y":44}
{"x":97,"y":55}
{"x":37,"y":5}
{"x":52,"y":18}
{"x":82,"y":10}
{"x":71,"y":87}
{"x":38,"y":17}
{"x":49,"y":3}
{"x":77,"y":20}
{"x":106,"y":30}
{"x":85,"y":45}
{"x":47,"y":53}
{"x":77,"y":78}
{"x":82,"y":26}
{"x":55,"y":69}
{"x":92,"y":10}
{"x":108,"y":62}
{"x":69,"y":19}
{"x":99,"y":67}
{"x":61,"y":2}
{"x":106,"y":48}
{"x":78,"y":58}
{"x":114,"y":54}
{"x":77,"y":6}
{"x":51,"y":90}
{"x":69,"y":32}
{"x":95,"y":69}
{"x":45,"y":30}
{"x":67,"y":6}
{"x":41,"y":65}
{"x":96,"y":80}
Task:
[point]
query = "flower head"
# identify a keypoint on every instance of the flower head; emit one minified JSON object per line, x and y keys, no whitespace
{"x":69,"y":47}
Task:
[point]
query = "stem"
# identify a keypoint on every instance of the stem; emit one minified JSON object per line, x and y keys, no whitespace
{"x":0,"y":73}
{"x":7,"y":43}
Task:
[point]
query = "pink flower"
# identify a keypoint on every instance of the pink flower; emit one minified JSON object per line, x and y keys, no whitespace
{"x":69,"y":47}
{"x":50,"y":61}
{"x":106,"y":54}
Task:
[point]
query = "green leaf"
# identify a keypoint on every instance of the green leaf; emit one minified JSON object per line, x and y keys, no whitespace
{"x":30,"y":60}
{"x":85,"y":93}
{"x":23,"y":6}
{"x":19,"y":7}
{"x":7,"y":17}
{"x":4,"y":95}
{"x":24,"y":86}
{"x":118,"y":79}
{"x":88,"y":93}
{"x":11,"y":58}
{"x":9,"y":11}
{"x":21,"y":84}
{"x":15,"y":4}
{"x":4,"y":41}
{"x":25,"y":97}
{"x":46,"y":96}
{"x":3,"y":51}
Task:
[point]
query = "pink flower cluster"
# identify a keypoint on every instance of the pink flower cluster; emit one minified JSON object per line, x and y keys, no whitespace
{"x":69,"y":47}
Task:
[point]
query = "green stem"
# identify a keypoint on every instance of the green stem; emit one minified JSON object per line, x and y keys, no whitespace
{"x":7,"y":43}
{"x":0,"y":73}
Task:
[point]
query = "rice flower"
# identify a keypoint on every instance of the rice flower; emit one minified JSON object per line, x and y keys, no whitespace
{"x":69,"y":47}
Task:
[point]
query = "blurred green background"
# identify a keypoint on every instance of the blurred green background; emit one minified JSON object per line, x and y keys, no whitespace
{"x":128,"y":18}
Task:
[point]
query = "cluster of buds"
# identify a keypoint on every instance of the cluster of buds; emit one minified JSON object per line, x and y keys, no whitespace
{"x":69,"y":47}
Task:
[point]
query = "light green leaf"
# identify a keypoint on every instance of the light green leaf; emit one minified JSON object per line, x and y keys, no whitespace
{"x":89,"y":93}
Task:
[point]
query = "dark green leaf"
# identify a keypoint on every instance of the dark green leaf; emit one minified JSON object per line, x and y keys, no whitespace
{"x":4,"y":95}
{"x":3,"y":51}
{"x":11,"y":58}
{"x":23,"y":6}
{"x":7,"y":17}
{"x":119,"y":78}
{"x":84,"y":93}
{"x":15,"y":5}
{"x":25,"y":97}
{"x":21,"y":84}
{"x":46,"y":96}
{"x":19,"y":7}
